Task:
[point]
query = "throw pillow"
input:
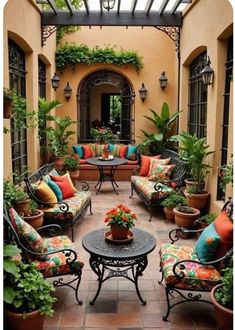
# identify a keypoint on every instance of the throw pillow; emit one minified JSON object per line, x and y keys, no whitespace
{"x":78,"y":149}
{"x":46,"y":194}
{"x":161,"y":173}
{"x":207,"y":243}
{"x":155,"y":162}
{"x":131,"y":150}
{"x":56,"y":189}
{"x":65,"y":184}
{"x":87,"y":151}
{"x":224,"y":228}
{"x":115,"y":149}
{"x":123,"y":151}
{"x":27,"y":233}
{"x":145,"y":164}
{"x":99,"y":149}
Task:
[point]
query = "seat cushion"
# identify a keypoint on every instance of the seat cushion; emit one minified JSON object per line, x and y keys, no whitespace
{"x":196,"y":276}
{"x":147,"y":187}
{"x":55,"y":264}
{"x":75,"y":203}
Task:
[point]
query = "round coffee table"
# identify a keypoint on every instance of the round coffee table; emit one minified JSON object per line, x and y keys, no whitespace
{"x":127,"y":260}
{"x":107,"y":170}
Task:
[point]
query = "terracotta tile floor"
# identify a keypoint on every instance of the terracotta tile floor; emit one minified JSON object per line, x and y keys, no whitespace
{"x":118,"y":307}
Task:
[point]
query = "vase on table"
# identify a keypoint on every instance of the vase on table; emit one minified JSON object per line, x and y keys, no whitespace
{"x":119,"y":232}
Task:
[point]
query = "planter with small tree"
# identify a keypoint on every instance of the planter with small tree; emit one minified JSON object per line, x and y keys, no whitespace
{"x":174,"y":199}
{"x":72,"y":166}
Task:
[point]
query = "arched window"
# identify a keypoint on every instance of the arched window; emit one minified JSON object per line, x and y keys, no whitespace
{"x":197,"y":108}
{"x":17,"y":81}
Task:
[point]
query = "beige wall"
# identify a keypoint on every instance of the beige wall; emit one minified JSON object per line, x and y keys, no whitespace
{"x":206,"y":26}
{"x":22,"y":23}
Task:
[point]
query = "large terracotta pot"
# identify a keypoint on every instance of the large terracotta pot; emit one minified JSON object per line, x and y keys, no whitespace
{"x":7,"y":109}
{"x":35,"y":220}
{"x":185,"y":220}
{"x":119,"y":232}
{"x":169,"y":214}
{"x":190,"y":183}
{"x":197,"y":200}
{"x":224,"y":316}
{"x":15,"y":321}
{"x":59,"y":163}
{"x":22,"y":206}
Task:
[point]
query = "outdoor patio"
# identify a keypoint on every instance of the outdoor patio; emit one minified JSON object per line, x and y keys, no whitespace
{"x":118,"y":306}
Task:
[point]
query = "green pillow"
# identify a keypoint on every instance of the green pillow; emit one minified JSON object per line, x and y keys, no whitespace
{"x":131,"y":150}
{"x":207,"y":244}
{"x":54,"y":187}
{"x":79,"y":151}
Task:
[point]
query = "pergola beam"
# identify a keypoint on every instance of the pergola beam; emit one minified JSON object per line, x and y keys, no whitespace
{"x":118,"y":7}
{"x":134,"y":3}
{"x":176,"y":5}
{"x":111,"y":19}
{"x":70,"y":7}
{"x":163,"y":6}
{"x":148,"y":6}
{"x":53,"y":6}
{"x":101,"y":7}
{"x":86,"y":6}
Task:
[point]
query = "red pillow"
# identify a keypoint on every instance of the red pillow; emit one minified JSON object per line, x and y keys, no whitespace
{"x":65,"y":184}
{"x":123,"y":151}
{"x":145,"y":163}
{"x":87,"y":151}
{"x":224,"y":228}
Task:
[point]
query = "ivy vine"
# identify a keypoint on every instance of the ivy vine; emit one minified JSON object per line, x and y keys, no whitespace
{"x":71,"y":54}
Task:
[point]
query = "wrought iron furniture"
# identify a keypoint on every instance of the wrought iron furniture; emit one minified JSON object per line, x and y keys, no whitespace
{"x":183,"y":272}
{"x":67,"y":212}
{"x":107,"y":170}
{"x":109,"y":260}
{"x":150,"y":194}
{"x":59,"y":257}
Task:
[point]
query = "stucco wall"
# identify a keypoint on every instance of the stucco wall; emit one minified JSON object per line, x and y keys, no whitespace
{"x":206,"y":26}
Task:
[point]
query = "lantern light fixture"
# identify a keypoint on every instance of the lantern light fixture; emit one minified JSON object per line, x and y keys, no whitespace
{"x":163,"y":80}
{"x":67,"y":91}
{"x":143,"y":92}
{"x":108,"y":4}
{"x":55,"y":81}
{"x":207,"y":73}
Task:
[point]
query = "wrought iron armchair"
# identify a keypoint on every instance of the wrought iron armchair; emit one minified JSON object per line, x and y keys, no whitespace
{"x":57,"y":258}
{"x":187,"y":276}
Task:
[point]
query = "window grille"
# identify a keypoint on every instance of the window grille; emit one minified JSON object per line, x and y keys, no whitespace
{"x":42,"y":123}
{"x":197,"y":107}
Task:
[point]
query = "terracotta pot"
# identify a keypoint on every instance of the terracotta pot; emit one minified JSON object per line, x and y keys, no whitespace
{"x":59,"y":163}
{"x":15,"y":321}
{"x":22,"y":206}
{"x":74,"y":175}
{"x":119,"y":232}
{"x":197,"y":200}
{"x":185,"y":220}
{"x":189,"y":184}
{"x":169,"y":214}
{"x":35,"y":220}
{"x":224,"y":316}
{"x":7,"y":109}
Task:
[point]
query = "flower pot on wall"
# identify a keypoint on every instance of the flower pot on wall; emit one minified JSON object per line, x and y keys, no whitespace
{"x":224,"y":316}
{"x":15,"y":321}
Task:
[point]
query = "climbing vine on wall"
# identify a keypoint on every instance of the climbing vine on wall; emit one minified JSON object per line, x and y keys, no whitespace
{"x":71,"y":54}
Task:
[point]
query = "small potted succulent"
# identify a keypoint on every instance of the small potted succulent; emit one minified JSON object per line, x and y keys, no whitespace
{"x":205,"y":220}
{"x":174,"y":199}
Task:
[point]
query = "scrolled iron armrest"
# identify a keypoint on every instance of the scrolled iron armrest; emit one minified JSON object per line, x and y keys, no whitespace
{"x":54,"y":229}
{"x":181,"y":266}
{"x":85,"y":185}
{"x":174,"y":234}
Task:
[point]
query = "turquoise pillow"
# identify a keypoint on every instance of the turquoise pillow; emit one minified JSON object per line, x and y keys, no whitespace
{"x":56,"y":189}
{"x":207,"y":243}
{"x":131,"y":150}
{"x":79,"y":151}
{"x":111,"y":147}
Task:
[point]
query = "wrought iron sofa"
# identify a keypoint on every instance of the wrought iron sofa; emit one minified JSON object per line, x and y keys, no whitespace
{"x":188,"y":272}
{"x":150,"y":192}
{"x":53,"y":257}
{"x":67,"y":212}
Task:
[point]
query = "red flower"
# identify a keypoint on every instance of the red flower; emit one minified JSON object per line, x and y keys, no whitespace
{"x":173,"y":185}
{"x":107,"y":219}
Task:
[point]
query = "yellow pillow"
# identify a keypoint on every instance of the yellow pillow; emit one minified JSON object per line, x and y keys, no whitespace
{"x":46,"y":194}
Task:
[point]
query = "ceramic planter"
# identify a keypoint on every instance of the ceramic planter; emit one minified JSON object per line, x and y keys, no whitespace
{"x":185,"y":220}
{"x":197,"y":201}
{"x":224,"y":316}
{"x":169,"y":214}
{"x":15,"y":321}
{"x":35,"y":220}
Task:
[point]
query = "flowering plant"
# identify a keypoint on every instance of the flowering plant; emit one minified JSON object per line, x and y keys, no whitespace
{"x":102,"y":134}
{"x":226,"y":174}
{"x":72,"y":162}
{"x":121,"y":216}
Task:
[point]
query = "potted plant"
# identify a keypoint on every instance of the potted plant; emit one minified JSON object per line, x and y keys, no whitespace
{"x":27,"y":295}
{"x":120,"y":219}
{"x":102,"y":134}
{"x":222,"y":298}
{"x":171,"y":201}
{"x":194,"y":152}
{"x":185,"y":216}
{"x":58,"y":138}
{"x":72,"y":166}
{"x":14,"y":195}
{"x":7,"y":103}
{"x":206,"y":220}
{"x":33,"y":215}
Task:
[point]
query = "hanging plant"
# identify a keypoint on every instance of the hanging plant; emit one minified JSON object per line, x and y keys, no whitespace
{"x":72,"y":54}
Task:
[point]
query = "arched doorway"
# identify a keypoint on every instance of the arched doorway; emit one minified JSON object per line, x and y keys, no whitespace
{"x":105,"y":98}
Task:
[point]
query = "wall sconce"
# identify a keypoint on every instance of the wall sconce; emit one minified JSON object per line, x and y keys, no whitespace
{"x":143,"y":92}
{"x":108,"y":4}
{"x":55,"y":81}
{"x":67,"y":92}
{"x":163,"y":80}
{"x":207,"y":73}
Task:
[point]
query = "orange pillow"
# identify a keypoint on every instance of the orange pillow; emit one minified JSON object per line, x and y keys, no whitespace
{"x":66,"y":187}
{"x":87,"y":151}
{"x":224,"y":228}
{"x":123,"y":151}
{"x":145,"y":163}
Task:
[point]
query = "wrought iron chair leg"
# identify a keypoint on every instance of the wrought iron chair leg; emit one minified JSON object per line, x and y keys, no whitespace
{"x":77,"y":286}
{"x":160,"y":281}
{"x":131,"y":195}
{"x":150,"y":209}
{"x":168,"y":305}
{"x":90,"y":209}
{"x":72,"y":233}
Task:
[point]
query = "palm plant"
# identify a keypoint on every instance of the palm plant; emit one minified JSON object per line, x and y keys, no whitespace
{"x":157,"y":141}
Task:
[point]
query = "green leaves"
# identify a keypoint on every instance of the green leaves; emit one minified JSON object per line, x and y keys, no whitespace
{"x":71,"y":54}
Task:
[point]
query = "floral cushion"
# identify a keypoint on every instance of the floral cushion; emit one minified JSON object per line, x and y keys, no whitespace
{"x":147,"y":187}
{"x":196,"y":276}
{"x":159,"y":172}
{"x":75,"y":204}
{"x":55,"y":264}
{"x":29,"y":236}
